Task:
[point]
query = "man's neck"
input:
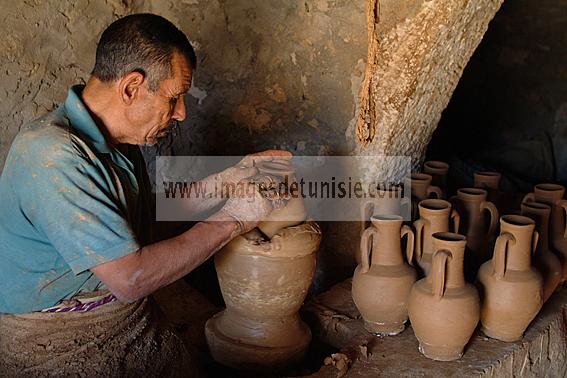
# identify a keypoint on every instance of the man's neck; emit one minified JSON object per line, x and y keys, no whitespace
{"x":98,"y":98}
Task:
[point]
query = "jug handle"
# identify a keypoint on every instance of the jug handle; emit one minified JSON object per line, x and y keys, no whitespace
{"x":563,"y":204}
{"x":530,"y":197}
{"x":418,"y":225}
{"x":434,"y":189}
{"x":438,"y":272}
{"x":535,"y":240}
{"x":365,"y":247}
{"x":366,"y":212}
{"x":456,"y":220}
{"x":500,"y":253}
{"x":487,"y":205}
{"x":406,"y":230}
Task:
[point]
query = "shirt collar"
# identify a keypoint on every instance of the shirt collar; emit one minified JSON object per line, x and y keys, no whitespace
{"x":81,"y":119}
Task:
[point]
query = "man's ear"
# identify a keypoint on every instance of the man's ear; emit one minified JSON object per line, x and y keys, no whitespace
{"x":130,"y":86}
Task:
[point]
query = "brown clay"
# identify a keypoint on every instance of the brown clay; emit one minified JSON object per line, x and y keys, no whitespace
{"x":388,"y":201}
{"x":471,"y":204}
{"x":511,"y":288}
{"x":434,"y":217}
{"x":489,"y":181}
{"x":264,"y":283}
{"x":544,"y":260}
{"x":438,"y":170}
{"x":421,"y":189}
{"x":443,"y":308}
{"x":552,"y":195}
{"x":383,"y":280}
{"x":294,"y":211}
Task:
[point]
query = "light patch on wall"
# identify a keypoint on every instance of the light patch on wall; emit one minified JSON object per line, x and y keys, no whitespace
{"x":198,"y":93}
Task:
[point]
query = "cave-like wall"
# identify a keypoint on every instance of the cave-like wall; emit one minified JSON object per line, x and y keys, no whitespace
{"x":509,"y":111}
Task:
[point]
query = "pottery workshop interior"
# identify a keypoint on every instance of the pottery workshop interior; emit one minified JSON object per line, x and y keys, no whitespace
{"x":451,"y":115}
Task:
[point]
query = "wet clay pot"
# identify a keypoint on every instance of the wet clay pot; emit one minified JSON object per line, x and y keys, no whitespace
{"x":544,"y":260}
{"x":552,"y":195}
{"x":471,"y":203}
{"x":294,"y":212}
{"x":443,"y":308}
{"x":511,"y":288}
{"x":435,"y":215}
{"x":264,"y":283}
{"x":489,"y":181}
{"x":421,"y":189}
{"x":439,"y":171}
{"x":382,"y":281}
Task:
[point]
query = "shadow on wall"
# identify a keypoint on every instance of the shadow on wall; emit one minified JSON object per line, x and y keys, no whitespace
{"x":509,"y":111}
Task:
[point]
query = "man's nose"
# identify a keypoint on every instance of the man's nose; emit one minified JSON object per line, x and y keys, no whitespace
{"x":179,"y":111}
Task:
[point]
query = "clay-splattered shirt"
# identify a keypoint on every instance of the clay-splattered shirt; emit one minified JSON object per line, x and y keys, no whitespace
{"x":68,"y":202}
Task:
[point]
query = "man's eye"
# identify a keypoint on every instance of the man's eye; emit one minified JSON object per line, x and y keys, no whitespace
{"x":173,"y":100}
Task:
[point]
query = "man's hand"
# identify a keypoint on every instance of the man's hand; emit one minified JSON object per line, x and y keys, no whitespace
{"x":246,"y":167}
{"x":251,"y":206}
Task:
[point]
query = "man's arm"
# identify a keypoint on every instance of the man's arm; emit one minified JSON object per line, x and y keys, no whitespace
{"x":141,"y":273}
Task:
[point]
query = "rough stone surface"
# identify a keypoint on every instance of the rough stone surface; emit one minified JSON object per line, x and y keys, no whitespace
{"x":415,"y":68}
{"x":542,"y":351}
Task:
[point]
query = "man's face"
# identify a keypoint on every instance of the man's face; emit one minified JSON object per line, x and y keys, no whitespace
{"x":156,"y":111}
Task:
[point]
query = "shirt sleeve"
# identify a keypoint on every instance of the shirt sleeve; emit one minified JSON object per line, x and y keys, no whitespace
{"x":77,"y":201}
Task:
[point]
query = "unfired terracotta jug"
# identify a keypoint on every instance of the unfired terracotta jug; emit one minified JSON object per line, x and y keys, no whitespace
{"x":293,"y":213}
{"x":422,"y":189}
{"x":435,"y":215}
{"x":471,"y":203}
{"x":264,"y":283}
{"x":511,"y":288}
{"x":383,"y":280}
{"x":544,"y":260}
{"x":489,"y":181}
{"x":389,"y":200}
{"x":439,"y":171}
{"x":443,"y":308}
{"x":552,"y":195}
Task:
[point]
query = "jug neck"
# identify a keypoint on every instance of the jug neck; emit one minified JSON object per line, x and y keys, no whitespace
{"x":386,"y":247}
{"x":518,"y":256}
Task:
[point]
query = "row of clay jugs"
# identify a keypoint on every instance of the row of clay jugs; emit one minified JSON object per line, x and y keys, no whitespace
{"x":511,"y":288}
{"x":443,"y":308}
{"x":383,"y":280}
{"x":471,"y":203}
{"x":552,"y":195}
{"x":544,"y":260}
{"x":434,"y":216}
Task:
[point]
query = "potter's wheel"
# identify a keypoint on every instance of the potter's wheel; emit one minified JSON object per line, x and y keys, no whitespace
{"x":242,"y":356}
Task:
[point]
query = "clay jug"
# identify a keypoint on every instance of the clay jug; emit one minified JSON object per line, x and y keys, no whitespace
{"x":544,"y":260}
{"x":471,"y":203}
{"x":264,"y":283}
{"x":552,"y":195}
{"x":383,"y":280}
{"x":443,"y":308}
{"x":435,"y":215}
{"x":489,"y":181}
{"x":421,"y":189}
{"x":293,"y":213}
{"x":511,"y":288}
{"x":389,"y":200}
{"x":439,"y":171}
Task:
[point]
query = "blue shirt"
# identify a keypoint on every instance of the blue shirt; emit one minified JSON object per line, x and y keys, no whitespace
{"x":69,"y":202}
